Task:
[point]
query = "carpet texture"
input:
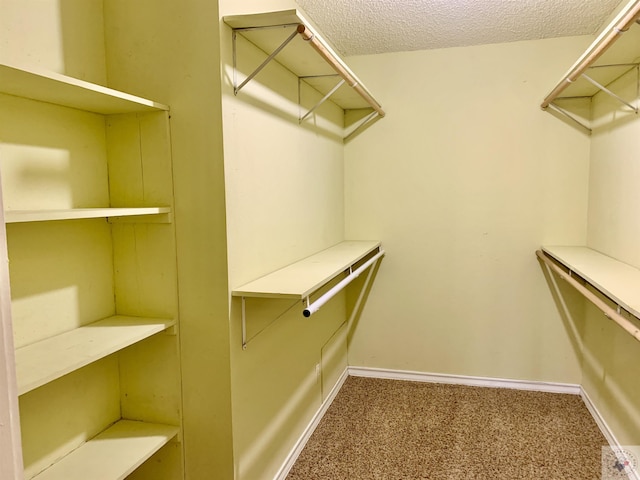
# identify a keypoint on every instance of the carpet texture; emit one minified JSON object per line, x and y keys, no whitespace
{"x":391,"y":429}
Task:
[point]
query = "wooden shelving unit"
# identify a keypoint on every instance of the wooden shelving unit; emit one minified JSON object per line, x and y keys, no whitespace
{"x":113,"y":454}
{"x":138,"y":232}
{"x":301,"y":279}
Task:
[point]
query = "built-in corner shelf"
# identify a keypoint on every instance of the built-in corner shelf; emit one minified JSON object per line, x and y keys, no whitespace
{"x":298,"y":45}
{"x":46,"y":86}
{"x":615,"y":52}
{"x":614,"y":279}
{"x":24,"y":216}
{"x":49,"y":359}
{"x":113,"y":454}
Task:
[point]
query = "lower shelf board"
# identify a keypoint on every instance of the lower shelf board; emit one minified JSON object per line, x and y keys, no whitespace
{"x":113,"y":454}
{"x":49,"y":359}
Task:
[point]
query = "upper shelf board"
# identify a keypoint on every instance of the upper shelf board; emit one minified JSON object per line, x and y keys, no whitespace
{"x":617,"y":280}
{"x":302,"y":278}
{"x":51,"y":87}
{"x":298,"y":56}
{"x":23,"y":216}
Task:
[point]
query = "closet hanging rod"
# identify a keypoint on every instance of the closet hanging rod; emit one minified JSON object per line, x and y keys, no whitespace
{"x":315,"y":306}
{"x":621,"y":24}
{"x":322,"y":50}
{"x":609,"y":312}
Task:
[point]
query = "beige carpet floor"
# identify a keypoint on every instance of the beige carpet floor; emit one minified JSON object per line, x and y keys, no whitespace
{"x":391,"y":429}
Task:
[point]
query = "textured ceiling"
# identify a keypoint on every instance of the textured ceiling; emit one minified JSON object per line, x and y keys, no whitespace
{"x":360,"y":27}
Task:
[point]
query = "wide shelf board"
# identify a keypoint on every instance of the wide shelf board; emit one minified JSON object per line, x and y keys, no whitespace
{"x":302,"y":278}
{"x":112,"y":455}
{"x":51,"y":87}
{"x":617,"y":280}
{"x":20,"y":216}
{"x":298,"y":56}
{"x":49,"y":359}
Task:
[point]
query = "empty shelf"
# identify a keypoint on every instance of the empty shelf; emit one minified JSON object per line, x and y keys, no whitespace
{"x":49,"y":359}
{"x":302,"y":278}
{"x":51,"y":87}
{"x":20,"y":216}
{"x":113,"y":454}
{"x":617,"y":280}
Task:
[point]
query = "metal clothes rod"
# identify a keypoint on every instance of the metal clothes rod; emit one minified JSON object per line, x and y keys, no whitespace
{"x":609,"y":312}
{"x":630,"y":15}
{"x":315,"y":306}
{"x":322,"y":50}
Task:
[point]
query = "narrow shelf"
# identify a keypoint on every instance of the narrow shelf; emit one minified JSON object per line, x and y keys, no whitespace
{"x":47,"y":360}
{"x":302,"y":278}
{"x":318,"y":69}
{"x":112,"y":455}
{"x":617,"y":280}
{"x":20,"y":216}
{"x":51,"y":87}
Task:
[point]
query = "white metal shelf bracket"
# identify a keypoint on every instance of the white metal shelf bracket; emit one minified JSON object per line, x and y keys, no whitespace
{"x":609,"y":92}
{"x":324,"y":99}
{"x":563,"y":112}
{"x":236,"y":87}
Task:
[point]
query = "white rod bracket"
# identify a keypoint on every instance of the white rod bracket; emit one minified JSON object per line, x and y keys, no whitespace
{"x":315,"y":306}
{"x":609,"y":92}
{"x":367,"y":120}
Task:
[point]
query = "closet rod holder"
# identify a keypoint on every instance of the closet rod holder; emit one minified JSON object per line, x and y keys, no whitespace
{"x":624,"y":21}
{"x":315,"y":306}
{"x":609,"y":312}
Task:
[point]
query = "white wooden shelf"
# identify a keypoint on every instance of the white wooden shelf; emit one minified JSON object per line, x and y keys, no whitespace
{"x":302,"y":278}
{"x":112,"y":455}
{"x":46,"y":86}
{"x":21,"y":216}
{"x":315,"y":69}
{"x":617,"y":280}
{"x":49,"y":359}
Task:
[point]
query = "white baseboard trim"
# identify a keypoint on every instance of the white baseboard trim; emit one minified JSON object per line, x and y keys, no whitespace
{"x":535,"y":386}
{"x":304,"y":438}
{"x":604,"y":428}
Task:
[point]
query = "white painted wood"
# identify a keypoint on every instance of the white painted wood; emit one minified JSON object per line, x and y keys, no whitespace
{"x":51,"y":87}
{"x":298,"y":56}
{"x":10,"y":442}
{"x":18,"y":216}
{"x":49,"y":359}
{"x":617,"y":280}
{"x":313,"y":424}
{"x":113,"y":454}
{"x":529,"y":385}
{"x":304,"y":277}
